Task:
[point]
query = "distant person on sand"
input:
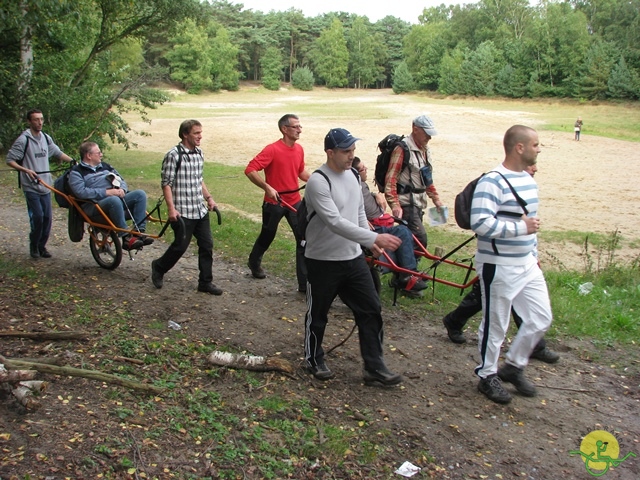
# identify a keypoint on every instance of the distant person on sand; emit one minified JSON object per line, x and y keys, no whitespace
{"x":577,"y":127}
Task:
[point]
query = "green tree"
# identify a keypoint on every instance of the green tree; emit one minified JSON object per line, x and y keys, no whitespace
{"x":623,"y":82}
{"x":271,"y":64}
{"x":363,"y":45}
{"x":224,"y":60}
{"x":449,"y":81}
{"x":302,"y":79}
{"x":402,"y":79}
{"x":391,"y":31}
{"x":479,"y":70}
{"x":330,"y":57}
{"x":190,"y":57}
{"x":558,"y":41}
{"x":424,"y":48}
{"x":593,"y":77}
{"x":74,"y":45}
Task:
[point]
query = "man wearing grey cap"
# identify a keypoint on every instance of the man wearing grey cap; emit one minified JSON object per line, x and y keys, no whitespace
{"x":337,"y":228}
{"x":407,"y":189}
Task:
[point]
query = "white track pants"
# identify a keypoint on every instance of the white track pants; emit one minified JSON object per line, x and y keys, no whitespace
{"x":503,"y":286}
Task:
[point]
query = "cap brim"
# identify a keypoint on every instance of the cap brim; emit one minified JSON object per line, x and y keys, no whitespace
{"x":430,"y":131}
{"x":347,"y":143}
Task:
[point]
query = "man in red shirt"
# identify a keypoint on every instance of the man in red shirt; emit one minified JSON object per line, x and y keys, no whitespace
{"x":283,"y":164}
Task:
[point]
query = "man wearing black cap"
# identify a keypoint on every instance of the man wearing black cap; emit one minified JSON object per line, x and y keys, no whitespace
{"x":407,"y":189}
{"x":336,"y":231}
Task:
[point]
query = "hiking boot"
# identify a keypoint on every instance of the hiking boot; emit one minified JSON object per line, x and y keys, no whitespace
{"x":515,"y":376}
{"x":492,"y":388}
{"x":129,"y":242}
{"x":256,"y":270}
{"x":157,"y":277}
{"x":34,"y":252}
{"x":44,"y":253}
{"x":545,"y":355}
{"x":320,"y":371}
{"x":210,"y":288}
{"x":456,"y":336}
{"x":381,"y":378}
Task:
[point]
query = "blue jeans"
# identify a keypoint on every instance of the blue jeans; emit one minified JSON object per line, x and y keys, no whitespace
{"x":403,"y":256}
{"x":115,"y":209}
{"x":40,"y":215}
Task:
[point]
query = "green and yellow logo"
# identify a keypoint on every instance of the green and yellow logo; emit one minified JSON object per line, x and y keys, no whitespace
{"x":600,"y":451}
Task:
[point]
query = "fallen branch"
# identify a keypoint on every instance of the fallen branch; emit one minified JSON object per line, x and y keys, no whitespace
{"x":46,"y":335}
{"x":250,"y":362}
{"x":127,"y":359}
{"x":79,"y":372}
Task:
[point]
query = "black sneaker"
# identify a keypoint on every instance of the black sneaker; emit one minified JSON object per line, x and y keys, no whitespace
{"x":130,"y":242}
{"x":146,"y":239}
{"x":320,"y":371}
{"x":492,"y":388}
{"x":545,"y":355}
{"x":157,"y":277}
{"x":210,"y":288}
{"x":456,"y":336}
{"x":515,"y":376}
{"x":34,"y":252}
{"x":302,"y":289}
{"x":381,"y":378}
{"x":257,"y":271}
{"x":44,"y":253}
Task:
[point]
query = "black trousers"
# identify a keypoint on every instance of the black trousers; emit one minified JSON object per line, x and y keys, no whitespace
{"x":272,"y":214}
{"x":472,"y":304}
{"x":352,"y":281}
{"x":201,"y":229}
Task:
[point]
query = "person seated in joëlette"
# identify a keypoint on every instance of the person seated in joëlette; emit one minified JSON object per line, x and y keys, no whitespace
{"x":101,"y":184}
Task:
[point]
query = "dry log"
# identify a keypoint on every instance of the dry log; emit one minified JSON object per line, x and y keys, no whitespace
{"x":15,"y":376}
{"x":250,"y":362}
{"x":46,"y":335}
{"x":35,"y":385}
{"x":79,"y":372}
{"x":25,"y":396}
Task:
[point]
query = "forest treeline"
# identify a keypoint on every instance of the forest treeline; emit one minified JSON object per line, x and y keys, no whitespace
{"x":86,"y":62}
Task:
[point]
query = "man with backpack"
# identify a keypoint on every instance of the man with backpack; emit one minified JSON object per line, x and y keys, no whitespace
{"x":507,"y":266}
{"x":101,"y":184}
{"x":471,"y":304}
{"x":409,"y":181}
{"x":336,"y":230}
{"x":29,"y":155}
{"x":188,"y":205}
{"x":283,"y":165}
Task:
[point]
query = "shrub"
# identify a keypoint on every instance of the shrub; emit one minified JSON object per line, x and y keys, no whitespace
{"x":302,"y":79}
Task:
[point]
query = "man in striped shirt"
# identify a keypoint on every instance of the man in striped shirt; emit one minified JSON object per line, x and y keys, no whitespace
{"x":508,"y":267}
{"x":187,"y":198}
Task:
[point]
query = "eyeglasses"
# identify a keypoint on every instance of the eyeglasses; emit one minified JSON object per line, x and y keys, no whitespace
{"x":295,"y":127}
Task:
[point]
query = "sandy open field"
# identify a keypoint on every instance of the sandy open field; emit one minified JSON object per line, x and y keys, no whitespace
{"x":587,"y":186}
